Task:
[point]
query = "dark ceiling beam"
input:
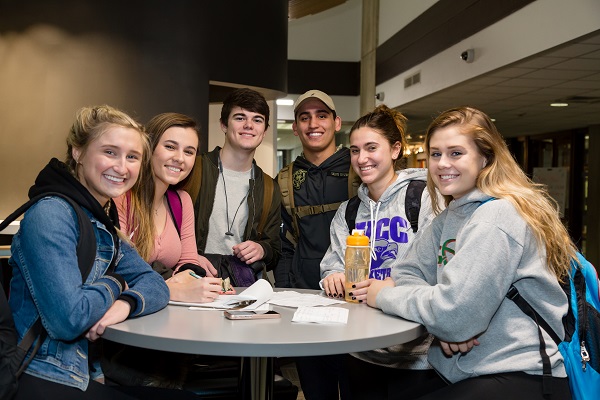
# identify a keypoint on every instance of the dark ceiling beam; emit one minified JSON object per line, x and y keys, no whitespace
{"x":444,"y":24}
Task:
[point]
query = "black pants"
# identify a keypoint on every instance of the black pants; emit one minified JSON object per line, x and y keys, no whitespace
{"x":375,"y":382}
{"x":323,"y":377}
{"x":33,"y":388}
{"x":512,"y":386}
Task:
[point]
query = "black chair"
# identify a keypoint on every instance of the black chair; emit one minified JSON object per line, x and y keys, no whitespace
{"x":227,"y":378}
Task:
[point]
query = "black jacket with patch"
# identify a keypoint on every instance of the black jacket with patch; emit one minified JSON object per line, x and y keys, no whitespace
{"x":299,"y":266}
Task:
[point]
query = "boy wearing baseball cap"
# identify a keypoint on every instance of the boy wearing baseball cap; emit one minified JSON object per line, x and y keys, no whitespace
{"x":312,"y":187}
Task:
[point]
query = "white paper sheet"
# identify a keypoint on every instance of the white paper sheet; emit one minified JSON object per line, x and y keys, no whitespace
{"x":290,"y":298}
{"x":321,"y":315}
{"x":261,"y":291}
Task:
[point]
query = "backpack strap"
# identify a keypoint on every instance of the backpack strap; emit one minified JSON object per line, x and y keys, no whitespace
{"x":514,"y":295}
{"x":86,"y":254}
{"x":86,"y":247}
{"x":353,"y":182}
{"x":303,"y":211}
{"x":412,"y":202}
{"x":351,"y":211}
{"x":285,"y":179}
{"x":268,"y":187}
{"x":175,"y":208}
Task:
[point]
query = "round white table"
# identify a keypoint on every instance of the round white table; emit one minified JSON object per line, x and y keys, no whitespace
{"x":179,"y":329}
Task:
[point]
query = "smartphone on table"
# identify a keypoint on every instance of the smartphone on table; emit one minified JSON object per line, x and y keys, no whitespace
{"x":240,"y":314}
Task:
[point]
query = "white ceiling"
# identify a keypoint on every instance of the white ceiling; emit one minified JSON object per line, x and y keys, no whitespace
{"x":518,"y":96}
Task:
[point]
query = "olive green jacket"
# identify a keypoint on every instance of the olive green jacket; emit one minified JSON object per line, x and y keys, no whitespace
{"x":203,"y":206}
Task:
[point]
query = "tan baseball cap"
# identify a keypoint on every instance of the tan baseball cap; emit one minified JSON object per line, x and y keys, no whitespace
{"x":317,"y":94}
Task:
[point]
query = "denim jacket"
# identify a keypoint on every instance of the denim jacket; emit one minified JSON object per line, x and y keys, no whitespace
{"x":47,"y":283}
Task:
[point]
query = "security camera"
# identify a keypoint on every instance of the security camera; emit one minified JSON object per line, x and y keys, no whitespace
{"x":468,"y":55}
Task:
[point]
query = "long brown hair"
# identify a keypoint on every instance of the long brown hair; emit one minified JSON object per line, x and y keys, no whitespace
{"x":140,"y":217}
{"x":503,"y":178}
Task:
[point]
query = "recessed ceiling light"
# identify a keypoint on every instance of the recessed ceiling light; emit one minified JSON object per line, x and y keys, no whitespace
{"x":559,"y":104}
{"x":284,"y":102}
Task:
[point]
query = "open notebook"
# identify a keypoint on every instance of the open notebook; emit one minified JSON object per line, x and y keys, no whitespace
{"x":260,"y":291}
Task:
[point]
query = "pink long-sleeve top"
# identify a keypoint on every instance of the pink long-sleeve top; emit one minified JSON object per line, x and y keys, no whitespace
{"x":169,"y":248}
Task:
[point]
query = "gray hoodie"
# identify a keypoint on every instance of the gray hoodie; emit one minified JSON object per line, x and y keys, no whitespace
{"x":454,"y":279}
{"x":389,"y":242}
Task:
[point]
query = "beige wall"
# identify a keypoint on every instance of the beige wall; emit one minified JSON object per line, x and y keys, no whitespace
{"x":47,"y":74}
{"x":44,"y":78}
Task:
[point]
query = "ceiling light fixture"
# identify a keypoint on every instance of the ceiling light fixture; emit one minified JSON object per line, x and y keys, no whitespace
{"x":284,"y":102}
{"x":559,"y":104}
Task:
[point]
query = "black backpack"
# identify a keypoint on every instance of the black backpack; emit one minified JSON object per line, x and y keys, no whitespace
{"x":13,"y":354}
{"x":412,"y":206}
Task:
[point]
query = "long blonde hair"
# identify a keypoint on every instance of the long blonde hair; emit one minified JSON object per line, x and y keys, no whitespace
{"x":503,"y":178}
{"x":140,"y":216}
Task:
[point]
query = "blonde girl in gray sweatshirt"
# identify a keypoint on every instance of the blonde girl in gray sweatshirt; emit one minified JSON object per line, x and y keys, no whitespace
{"x":455,"y":276}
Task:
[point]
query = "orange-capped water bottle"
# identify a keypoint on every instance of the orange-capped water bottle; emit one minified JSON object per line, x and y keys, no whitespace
{"x":356,"y":260}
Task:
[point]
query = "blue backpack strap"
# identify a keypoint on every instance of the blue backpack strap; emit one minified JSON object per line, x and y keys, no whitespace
{"x":175,"y":208}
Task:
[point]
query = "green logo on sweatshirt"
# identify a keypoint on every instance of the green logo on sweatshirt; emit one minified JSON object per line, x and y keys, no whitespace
{"x":445,"y":249}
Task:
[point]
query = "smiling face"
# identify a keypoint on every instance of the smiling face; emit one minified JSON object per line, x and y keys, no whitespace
{"x":245,"y":130}
{"x":111,"y":164}
{"x":372,"y":157}
{"x":316,"y":126}
{"x":454,"y":161}
{"x":174,"y":155}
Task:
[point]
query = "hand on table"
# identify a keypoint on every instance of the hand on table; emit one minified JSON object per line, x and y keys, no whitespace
{"x":249,"y":251}
{"x":374,"y":289}
{"x":333,"y":284}
{"x":118,"y":312}
{"x":360,"y":289}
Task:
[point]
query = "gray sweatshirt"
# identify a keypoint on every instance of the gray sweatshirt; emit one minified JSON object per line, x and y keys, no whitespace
{"x":454,"y":279}
{"x":390,"y":241}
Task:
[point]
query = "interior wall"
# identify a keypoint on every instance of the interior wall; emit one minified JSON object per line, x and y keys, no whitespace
{"x":47,"y":74}
{"x":396,"y":14}
{"x":142,"y":57}
{"x":593,"y":198}
{"x":331,"y":35}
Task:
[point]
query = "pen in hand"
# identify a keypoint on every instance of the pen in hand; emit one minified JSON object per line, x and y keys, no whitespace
{"x":195,"y":275}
